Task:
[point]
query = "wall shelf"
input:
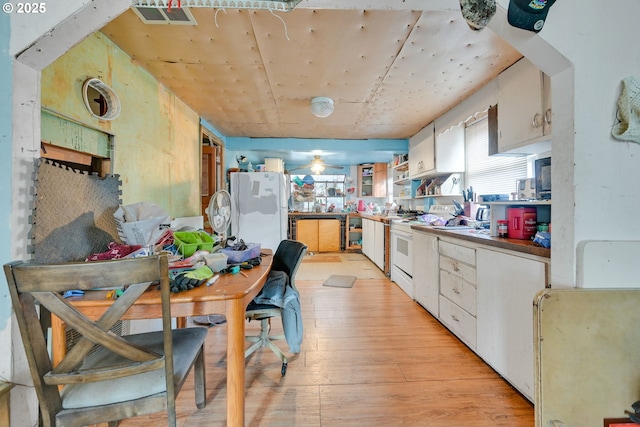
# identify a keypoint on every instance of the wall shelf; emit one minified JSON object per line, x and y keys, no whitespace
{"x":499,"y":211}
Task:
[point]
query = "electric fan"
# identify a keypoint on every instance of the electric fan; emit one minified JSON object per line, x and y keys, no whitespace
{"x":219,"y":213}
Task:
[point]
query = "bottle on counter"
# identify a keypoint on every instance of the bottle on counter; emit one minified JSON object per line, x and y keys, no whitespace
{"x":503,"y":228}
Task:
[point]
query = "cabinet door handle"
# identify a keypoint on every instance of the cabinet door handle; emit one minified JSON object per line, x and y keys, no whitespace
{"x":455,"y":319}
{"x":456,"y":291}
{"x":538,"y":121}
{"x":547,"y":116}
{"x":455,"y":267}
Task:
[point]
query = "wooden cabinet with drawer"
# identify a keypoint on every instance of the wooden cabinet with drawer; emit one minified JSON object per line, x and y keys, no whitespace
{"x":458,"y":290}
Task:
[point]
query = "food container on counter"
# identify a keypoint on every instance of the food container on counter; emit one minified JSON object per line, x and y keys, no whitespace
{"x":522,"y":222}
{"x":235,"y":257}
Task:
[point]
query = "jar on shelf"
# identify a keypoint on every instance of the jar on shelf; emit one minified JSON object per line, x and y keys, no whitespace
{"x":503,"y":228}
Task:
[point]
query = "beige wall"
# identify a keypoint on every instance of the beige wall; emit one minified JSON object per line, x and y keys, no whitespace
{"x":157,"y":150}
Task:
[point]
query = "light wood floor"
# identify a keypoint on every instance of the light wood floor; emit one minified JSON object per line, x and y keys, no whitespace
{"x":370,"y":357}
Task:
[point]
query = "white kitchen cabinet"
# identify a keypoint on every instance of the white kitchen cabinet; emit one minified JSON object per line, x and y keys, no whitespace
{"x":367,"y":238}
{"x":432,"y":154}
{"x":458,"y":290}
{"x":373,"y":241}
{"x":506,"y":287}
{"x":523,"y":103}
{"x":450,"y":150}
{"x":378,"y":245}
{"x":425,"y":271}
{"x":422,"y":157}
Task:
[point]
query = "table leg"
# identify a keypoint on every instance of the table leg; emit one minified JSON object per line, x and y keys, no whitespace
{"x":235,"y":362}
{"x":181,"y":322}
{"x":58,"y":340}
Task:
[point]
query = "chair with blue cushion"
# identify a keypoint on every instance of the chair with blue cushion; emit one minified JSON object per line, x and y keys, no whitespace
{"x":287,"y":259}
{"x":104,"y":377}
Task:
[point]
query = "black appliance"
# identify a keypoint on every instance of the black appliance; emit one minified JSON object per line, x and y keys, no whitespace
{"x":543,"y":178}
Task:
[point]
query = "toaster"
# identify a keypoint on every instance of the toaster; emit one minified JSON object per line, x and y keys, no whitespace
{"x":526,"y":189}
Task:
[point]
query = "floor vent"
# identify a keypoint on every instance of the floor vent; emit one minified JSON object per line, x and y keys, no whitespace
{"x":156,"y":15}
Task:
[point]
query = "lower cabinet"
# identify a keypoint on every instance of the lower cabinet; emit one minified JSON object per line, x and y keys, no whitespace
{"x":373,"y":241}
{"x":425,"y":271}
{"x":458,"y":290}
{"x":506,"y":287}
{"x":484,"y":297}
{"x":353,"y":237}
{"x":320,"y":235}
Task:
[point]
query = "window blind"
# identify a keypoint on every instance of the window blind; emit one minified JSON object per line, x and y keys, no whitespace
{"x":489,"y":174}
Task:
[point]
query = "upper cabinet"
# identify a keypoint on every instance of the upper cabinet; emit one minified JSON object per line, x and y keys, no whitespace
{"x":431,"y":154}
{"x":450,"y":150}
{"x":524,"y":110}
{"x":372,"y":180}
{"x":422,"y":156}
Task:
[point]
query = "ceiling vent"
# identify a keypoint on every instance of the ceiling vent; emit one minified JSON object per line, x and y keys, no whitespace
{"x":271,"y":5}
{"x":160,"y":15}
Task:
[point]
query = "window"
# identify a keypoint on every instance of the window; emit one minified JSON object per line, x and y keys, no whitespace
{"x":489,"y":174}
{"x":313,"y":193}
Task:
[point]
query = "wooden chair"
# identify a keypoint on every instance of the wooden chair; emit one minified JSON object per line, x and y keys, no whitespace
{"x":104,"y":377}
{"x":287,"y":258}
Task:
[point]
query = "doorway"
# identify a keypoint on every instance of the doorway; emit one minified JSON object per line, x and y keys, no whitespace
{"x":212,"y":173}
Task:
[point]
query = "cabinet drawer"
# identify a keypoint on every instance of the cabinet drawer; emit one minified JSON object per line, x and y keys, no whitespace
{"x":458,"y":291}
{"x":461,"y":323}
{"x":458,"y":268}
{"x":461,"y":253}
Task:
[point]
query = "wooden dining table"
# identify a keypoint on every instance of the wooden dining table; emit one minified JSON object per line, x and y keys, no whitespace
{"x":229,"y":295}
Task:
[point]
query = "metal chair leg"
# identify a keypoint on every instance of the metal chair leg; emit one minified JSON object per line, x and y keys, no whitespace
{"x":263,"y":340}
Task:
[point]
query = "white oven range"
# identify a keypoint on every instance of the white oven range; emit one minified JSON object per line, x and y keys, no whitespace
{"x":402,"y":256}
{"x":402,"y":247}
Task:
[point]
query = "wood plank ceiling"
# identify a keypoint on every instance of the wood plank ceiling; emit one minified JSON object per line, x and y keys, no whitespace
{"x":251,"y":73}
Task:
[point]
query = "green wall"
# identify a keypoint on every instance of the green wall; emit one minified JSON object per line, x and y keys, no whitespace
{"x":157,"y":136}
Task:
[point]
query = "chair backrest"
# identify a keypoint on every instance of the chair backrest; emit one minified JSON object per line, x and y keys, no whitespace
{"x":34,"y":287}
{"x":288,"y":257}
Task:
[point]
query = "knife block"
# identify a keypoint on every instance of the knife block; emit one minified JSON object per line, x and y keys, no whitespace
{"x":470,"y":209}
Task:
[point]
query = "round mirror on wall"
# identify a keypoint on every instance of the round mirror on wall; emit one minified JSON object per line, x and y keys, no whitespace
{"x":101,"y":101}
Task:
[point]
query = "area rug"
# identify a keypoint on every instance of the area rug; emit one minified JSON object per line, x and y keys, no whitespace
{"x":322,"y":258}
{"x":338,"y":281}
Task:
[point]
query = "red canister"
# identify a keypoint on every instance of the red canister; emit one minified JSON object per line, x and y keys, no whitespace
{"x":522,"y":223}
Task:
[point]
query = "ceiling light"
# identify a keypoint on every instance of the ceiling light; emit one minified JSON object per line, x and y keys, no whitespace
{"x":317,"y":168}
{"x":273,"y":5}
{"x":322,"y":106}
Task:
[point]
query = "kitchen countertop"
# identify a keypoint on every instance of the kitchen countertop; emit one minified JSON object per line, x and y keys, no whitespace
{"x":380,"y":218}
{"x":472,"y":235}
{"x":319,"y":214}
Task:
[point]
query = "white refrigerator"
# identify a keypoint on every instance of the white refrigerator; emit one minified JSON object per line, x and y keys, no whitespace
{"x":259,"y":207}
